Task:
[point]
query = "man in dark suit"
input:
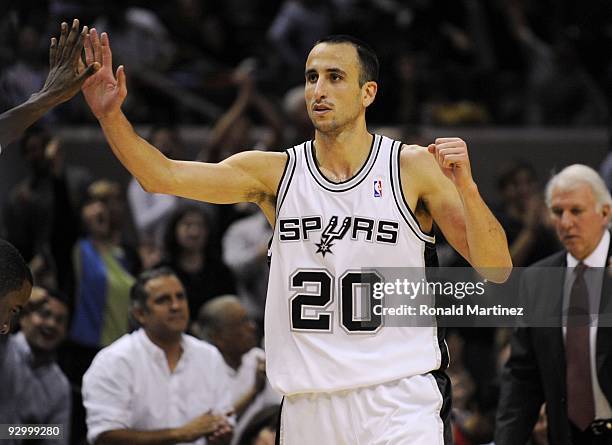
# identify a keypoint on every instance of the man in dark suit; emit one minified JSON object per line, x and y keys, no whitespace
{"x":563,"y":355}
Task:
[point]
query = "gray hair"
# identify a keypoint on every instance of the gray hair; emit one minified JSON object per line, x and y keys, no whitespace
{"x":575,"y":174}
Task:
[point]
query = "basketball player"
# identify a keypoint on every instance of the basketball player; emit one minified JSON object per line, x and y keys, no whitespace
{"x":346,"y":201}
{"x":15,"y":284}
{"x":66,"y":75}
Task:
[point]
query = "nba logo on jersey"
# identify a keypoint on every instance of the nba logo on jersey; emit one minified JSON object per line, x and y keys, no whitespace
{"x":378,"y":188}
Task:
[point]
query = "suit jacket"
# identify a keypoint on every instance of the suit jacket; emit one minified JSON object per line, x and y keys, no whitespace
{"x":535,"y":371}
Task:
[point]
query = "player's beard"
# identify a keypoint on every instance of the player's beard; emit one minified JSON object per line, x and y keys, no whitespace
{"x":336,"y":125}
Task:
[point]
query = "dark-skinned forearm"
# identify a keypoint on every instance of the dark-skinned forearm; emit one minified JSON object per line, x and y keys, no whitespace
{"x":14,"y":121}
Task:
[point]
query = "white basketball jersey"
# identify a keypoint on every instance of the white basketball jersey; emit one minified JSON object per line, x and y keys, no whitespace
{"x":326,"y":238}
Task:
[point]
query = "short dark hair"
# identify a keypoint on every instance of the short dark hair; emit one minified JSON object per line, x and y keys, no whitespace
{"x":13,"y":269}
{"x":138,"y":293}
{"x":367,"y":57}
{"x":59,"y":296}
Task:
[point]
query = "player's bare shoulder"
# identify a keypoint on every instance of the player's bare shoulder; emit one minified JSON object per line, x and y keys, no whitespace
{"x":417,"y":166}
{"x":264,"y":166}
{"x":415,"y":158}
{"x":265,"y":170}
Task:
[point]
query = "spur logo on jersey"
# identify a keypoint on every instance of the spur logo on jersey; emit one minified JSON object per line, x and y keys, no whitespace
{"x":330,"y":234}
{"x":378,"y":188}
{"x":360,"y":229}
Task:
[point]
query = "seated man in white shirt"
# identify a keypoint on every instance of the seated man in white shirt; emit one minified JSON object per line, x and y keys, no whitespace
{"x":158,"y":385}
{"x":224,"y":322}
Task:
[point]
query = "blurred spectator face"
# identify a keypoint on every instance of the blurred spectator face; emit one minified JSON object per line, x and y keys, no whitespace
{"x":96,"y":218}
{"x":45,"y":327}
{"x":578,"y":222}
{"x":407,"y":67}
{"x":28,"y":41}
{"x":294,"y":106}
{"x":166,"y":313}
{"x":33,"y":152}
{"x":149,"y":252}
{"x":238,"y":333}
{"x":109,"y":193}
{"x":238,"y":138}
{"x":191,"y":232}
{"x":11,"y":304}
{"x":521,"y":187}
{"x":333,"y":98}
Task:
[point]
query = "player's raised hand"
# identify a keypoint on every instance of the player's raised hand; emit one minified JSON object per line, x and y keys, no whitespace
{"x":104,"y":91}
{"x":451,"y":154}
{"x":66,"y":70}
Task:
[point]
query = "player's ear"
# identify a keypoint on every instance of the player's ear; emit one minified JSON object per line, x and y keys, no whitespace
{"x":605,"y":211}
{"x":368,"y":91}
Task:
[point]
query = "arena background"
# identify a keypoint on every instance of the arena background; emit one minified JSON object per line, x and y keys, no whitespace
{"x":521,"y":79}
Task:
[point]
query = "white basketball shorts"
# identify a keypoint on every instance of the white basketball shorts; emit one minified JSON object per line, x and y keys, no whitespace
{"x":411,"y":411}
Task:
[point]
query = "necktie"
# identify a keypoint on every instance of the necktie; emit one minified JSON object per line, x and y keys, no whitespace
{"x":580,"y":403}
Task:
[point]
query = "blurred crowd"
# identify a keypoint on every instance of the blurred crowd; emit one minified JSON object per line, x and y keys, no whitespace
{"x":236,"y":66}
{"x":87,"y":239}
{"x":444,"y":62}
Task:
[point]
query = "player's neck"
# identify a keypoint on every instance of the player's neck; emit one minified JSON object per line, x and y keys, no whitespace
{"x":341,"y":155}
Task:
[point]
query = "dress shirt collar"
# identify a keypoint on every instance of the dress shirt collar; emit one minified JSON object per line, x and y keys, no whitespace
{"x":598,"y":257}
{"x":155,"y":351}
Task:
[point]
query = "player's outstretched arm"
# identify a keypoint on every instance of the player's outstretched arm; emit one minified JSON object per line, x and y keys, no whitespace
{"x":66,"y":75}
{"x":445,"y":184}
{"x":249,"y":176}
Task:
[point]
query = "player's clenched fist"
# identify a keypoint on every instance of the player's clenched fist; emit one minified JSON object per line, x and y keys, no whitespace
{"x":451,"y":154}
